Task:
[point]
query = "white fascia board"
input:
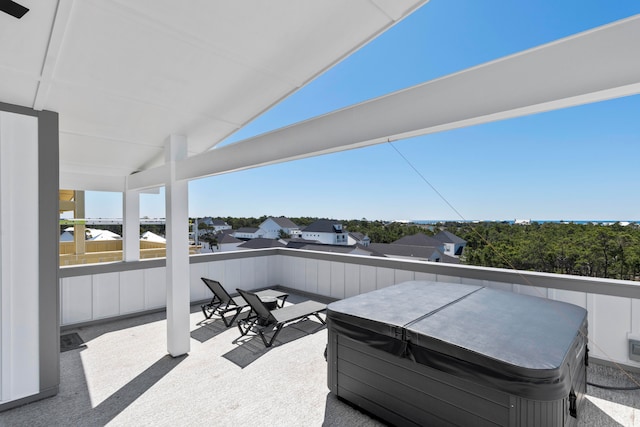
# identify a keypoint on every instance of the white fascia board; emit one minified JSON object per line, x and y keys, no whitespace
{"x":592,"y":66}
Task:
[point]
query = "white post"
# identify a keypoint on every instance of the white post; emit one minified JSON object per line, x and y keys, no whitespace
{"x":79,"y":230}
{"x":177,"y":207}
{"x":131,"y":226}
{"x":195,"y":231}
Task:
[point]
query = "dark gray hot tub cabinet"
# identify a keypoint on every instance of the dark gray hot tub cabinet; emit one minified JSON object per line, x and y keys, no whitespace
{"x":442,"y":354}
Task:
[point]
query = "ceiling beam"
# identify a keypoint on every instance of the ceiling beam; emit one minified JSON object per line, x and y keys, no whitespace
{"x":56,"y":37}
{"x":596,"y":65}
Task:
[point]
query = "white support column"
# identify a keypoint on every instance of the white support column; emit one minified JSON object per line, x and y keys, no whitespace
{"x":19,"y":262}
{"x":79,"y":229}
{"x":131,"y":226}
{"x":177,"y":207}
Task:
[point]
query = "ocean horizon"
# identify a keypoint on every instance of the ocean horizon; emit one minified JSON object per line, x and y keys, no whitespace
{"x":513,"y":221}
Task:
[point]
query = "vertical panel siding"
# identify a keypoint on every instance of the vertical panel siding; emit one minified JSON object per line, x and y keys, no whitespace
{"x":368,"y":276}
{"x":611,"y":314}
{"x":91,"y":297}
{"x":106,"y":295}
{"x":351,"y":280}
{"x":131,"y":291}
{"x":311,"y":275}
{"x":155,"y":288}
{"x":77,"y":300}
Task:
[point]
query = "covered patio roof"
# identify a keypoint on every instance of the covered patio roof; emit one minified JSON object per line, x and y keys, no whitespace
{"x":125,"y":75}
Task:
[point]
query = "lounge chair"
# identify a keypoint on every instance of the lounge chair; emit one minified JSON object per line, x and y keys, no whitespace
{"x":262,"y":319}
{"x":223,"y":303}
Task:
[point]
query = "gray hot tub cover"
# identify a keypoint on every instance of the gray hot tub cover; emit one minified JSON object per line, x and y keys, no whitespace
{"x":519,"y":344}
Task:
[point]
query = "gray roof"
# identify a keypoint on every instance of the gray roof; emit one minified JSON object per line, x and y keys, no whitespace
{"x":227,"y":238}
{"x":419,"y":239}
{"x":298,"y":242}
{"x":247,"y":230}
{"x":447,"y":237}
{"x":322,"y":226}
{"x":447,"y":259}
{"x":284,"y":222}
{"x":423,"y":252}
{"x":357,"y":235}
{"x":261,"y":243}
{"x":219,"y":222}
{"x":343,"y":249}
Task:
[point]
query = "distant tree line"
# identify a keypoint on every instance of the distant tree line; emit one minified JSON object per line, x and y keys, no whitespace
{"x":605,"y":251}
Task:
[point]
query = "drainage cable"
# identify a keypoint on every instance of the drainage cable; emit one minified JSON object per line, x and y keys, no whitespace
{"x":618,"y":388}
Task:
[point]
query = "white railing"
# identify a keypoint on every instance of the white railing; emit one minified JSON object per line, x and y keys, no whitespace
{"x":99,"y":292}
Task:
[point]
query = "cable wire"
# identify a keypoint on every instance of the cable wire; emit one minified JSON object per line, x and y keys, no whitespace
{"x":618,"y":388}
{"x":512,"y":267}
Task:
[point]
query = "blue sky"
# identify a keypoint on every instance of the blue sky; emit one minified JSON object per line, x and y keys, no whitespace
{"x":577,"y":163}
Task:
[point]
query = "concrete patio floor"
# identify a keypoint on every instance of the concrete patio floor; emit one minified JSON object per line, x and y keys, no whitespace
{"x":123,"y":376}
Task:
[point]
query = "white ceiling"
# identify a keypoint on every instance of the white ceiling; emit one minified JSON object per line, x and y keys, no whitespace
{"x":125,"y":74}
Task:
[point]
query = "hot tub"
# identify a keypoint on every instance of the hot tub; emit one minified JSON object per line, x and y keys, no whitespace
{"x":433,"y":353}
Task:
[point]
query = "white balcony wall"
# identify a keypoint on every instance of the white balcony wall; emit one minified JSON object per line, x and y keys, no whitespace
{"x":91,"y":297}
{"x":614,"y":311}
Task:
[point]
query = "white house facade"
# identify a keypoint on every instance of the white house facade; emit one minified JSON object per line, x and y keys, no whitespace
{"x":272,"y":227}
{"x":246,"y":233}
{"x":327,"y":232}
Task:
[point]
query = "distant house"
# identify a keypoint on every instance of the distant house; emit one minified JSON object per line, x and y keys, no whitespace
{"x":229,"y":243}
{"x":421,"y":247}
{"x":90,"y":234}
{"x":247,"y":233}
{"x":219,"y":225}
{"x":327,"y":232}
{"x":152,"y":237}
{"x":272,"y":227}
{"x":420,"y":239}
{"x":453,"y":245}
{"x":213,"y":225}
{"x":421,"y":253}
{"x":329,"y":236}
{"x":358,"y":238}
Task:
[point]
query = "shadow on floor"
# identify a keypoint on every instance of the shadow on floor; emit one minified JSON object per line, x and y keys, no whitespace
{"x":125,"y":396}
{"x":73,"y":405}
{"x":208,"y":329}
{"x":250,"y":347}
